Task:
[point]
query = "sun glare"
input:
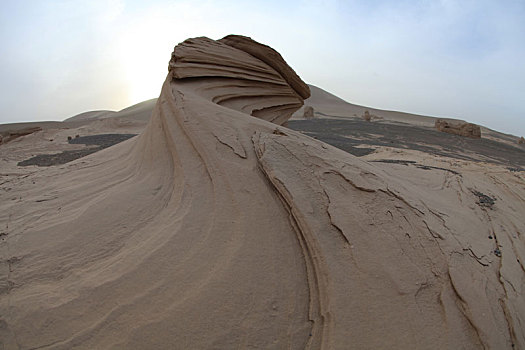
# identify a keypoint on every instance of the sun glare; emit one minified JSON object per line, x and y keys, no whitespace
{"x":144,"y":83}
{"x":144,"y":45}
{"x":144,"y":61}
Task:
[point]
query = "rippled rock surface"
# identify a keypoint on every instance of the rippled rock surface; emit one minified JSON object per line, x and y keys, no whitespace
{"x":219,"y":228}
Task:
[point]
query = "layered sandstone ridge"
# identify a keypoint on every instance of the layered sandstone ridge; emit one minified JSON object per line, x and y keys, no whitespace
{"x":271,"y":58}
{"x":217,"y":230}
{"x":240,"y":74}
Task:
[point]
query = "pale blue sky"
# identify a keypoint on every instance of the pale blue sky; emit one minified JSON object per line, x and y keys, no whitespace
{"x":451,"y":58}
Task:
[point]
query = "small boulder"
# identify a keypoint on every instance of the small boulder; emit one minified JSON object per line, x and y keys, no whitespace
{"x":369,"y":116}
{"x":308,"y":112}
{"x":521,"y":141}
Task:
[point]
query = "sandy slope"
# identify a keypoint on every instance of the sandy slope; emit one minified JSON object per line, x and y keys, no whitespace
{"x":215,"y":229}
{"x":328,"y":105}
{"x":140,"y":111}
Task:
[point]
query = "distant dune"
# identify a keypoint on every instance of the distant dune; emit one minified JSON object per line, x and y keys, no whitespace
{"x":219,"y":228}
{"x":139,"y":111}
{"x":329,"y":105}
{"x":325,"y":104}
{"x":87,"y":116}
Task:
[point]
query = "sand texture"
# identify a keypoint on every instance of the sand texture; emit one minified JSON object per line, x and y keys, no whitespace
{"x":218,"y":228}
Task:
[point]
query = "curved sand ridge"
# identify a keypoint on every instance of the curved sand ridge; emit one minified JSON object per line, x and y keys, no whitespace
{"x":215,"y":229}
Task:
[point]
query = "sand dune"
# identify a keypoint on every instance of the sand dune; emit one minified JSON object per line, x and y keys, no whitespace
{"x":328,"y":105}
{"x":218,"y":228}
{"x":91,"y":115}
{"x":140,"y":111}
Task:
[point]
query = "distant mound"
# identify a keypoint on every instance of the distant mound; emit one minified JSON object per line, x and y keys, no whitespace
{"x":139,"y":111}
{"x":91,"y":115}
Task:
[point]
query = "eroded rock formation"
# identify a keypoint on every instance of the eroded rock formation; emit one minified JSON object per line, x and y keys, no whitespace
{"x":236,"y":78}
{"x":308,"y":112}
{"x":272,"y":58}
{"x":14,"y":134}
{"x":459,"y":128}
{"x":369,"y":116}
{"x":215,"y":229}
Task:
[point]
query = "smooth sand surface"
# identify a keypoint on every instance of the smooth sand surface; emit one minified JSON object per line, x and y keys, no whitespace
{"x":218,"y":228}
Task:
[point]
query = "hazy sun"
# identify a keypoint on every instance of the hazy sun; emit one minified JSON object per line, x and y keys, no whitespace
{"x":144,"y":45}
{"x":144,"y":57}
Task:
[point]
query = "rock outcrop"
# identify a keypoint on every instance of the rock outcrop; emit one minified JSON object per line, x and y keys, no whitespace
{"x":272,"y":58}
{"x":369,"y":116}
{"x":14,"y":134}
{"x":521,"y":140}
{"x":459,"y":128}
{"x":308,"y":112}
{"x":241,"y":74}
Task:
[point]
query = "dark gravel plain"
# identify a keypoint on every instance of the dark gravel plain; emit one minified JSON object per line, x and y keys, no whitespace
{"x":348,"y":134}
{"x":100,"y":141}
